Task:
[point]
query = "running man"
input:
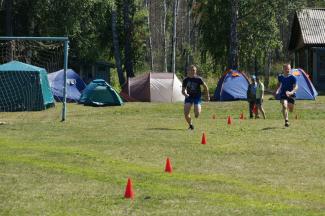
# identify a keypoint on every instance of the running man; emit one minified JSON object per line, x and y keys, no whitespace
{"x":191,"y":89}
{"x":287,"y":88}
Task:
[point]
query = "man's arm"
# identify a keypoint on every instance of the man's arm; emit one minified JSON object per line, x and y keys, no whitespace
{"x":294,"y":90}
{"x":206,"y":90}
{"x":184,"y":92}
{"x":277,"y":89}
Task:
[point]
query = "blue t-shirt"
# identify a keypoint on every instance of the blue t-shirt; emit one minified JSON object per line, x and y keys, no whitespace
{"x":193,"y":86}
{"x":287,"y":84}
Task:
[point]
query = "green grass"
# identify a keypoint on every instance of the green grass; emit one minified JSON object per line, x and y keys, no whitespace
{"x":81,"y":166}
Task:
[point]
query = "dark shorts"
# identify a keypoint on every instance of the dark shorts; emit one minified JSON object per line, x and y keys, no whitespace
{"x":259,"y":101}
{"x":289,"y":99}
{"x":191,"y":100}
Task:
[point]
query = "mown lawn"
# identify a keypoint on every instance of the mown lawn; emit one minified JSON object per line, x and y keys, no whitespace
{"x":81,"y":166}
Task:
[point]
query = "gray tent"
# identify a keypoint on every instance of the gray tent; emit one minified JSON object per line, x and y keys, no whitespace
{"x":153,"y":87}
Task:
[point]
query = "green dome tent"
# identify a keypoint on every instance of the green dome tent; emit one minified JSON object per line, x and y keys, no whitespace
{"x":24,"y":87}
{"x":100,"y":93}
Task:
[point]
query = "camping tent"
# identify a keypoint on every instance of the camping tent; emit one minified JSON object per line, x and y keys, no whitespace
{"x":232,"y":86}
{"x":24,"y":87}
{"x":100,"y":93}
{"x":153,"y":87}
{"x":306,"y":90}
{"x":75,"y":85}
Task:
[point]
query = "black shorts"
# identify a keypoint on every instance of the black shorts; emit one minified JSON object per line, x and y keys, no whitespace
{"x":259,"y":101}
{"x":289,"y":99}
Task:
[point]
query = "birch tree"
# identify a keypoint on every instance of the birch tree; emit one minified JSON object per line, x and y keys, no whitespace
{"x":150,"y":37}
{"x":175,"y":14}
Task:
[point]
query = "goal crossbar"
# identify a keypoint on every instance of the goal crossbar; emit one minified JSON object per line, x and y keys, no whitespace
{"x":36,"y":38}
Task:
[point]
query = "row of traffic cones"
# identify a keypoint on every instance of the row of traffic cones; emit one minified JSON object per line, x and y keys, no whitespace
{"x":241,"y":117}
{"x":129,"y":192}
{"x":229,"y":119}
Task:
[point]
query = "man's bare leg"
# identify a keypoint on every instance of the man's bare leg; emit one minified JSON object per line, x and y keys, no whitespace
{"x":197,"y":110}
{"x":187,"y":109}
{"x":260,"y":108}
{"x":285,"y":112}
{"x":290,"y":107}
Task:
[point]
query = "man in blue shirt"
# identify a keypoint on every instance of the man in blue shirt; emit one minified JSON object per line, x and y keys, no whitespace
{"x":191,"y":89}
{"x":287,"y":88}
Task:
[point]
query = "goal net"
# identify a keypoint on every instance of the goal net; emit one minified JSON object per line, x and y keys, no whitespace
{"x":24,"y":65}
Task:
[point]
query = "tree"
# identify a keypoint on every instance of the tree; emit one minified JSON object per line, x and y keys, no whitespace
{"x":117,"y":53}
{"x":8,"y":20}
{"x":213,"y":21}
{"x":175,"y":14}
{"x":150,"y":38}
{"x":233,"y":47}
{"x":128,"y":31}
{"x":165,"y":36}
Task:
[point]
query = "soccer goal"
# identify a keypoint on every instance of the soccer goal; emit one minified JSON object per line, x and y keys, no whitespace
{"x":24,"y":65}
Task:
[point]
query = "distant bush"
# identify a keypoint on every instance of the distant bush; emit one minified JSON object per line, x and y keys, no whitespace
{"x":273,"y":81}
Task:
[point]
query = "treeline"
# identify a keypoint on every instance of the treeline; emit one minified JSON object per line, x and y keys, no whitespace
{"x":162,"y":35}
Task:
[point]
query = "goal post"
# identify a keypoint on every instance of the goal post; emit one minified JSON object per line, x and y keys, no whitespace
{"x":64,"y":41}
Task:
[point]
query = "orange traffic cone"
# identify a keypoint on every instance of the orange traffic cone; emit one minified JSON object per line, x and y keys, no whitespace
{"x":204,"y":139}
{"x":168,"y":167}
{"x":241,"y":116}
{"x":129,"y":193}
{"x":229,"y":120}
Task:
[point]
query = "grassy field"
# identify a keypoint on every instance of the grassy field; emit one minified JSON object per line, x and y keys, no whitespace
{"x":81,"y":166}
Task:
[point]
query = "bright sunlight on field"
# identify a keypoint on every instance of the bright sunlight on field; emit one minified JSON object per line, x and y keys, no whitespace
{"x":81,"y":166}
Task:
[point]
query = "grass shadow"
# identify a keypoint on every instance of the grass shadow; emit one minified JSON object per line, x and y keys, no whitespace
{"x":167,"y":129}
{"x":269,"y":128}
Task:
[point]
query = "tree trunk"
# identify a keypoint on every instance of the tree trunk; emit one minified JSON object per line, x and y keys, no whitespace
{"x":128,"y":28}
{"x":150,"y":37}
{"x":165,"y":36}
{"x":117,"y":53}
{"x":233,"y":48}
{"x":189,"y":37}
{"x":268,"y":69}
{"x":8,"y":22}
{"x":174,"y":35}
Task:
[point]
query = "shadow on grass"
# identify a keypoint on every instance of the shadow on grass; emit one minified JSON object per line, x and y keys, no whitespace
{"x":167,"y":129}
{"x":270,"y":128}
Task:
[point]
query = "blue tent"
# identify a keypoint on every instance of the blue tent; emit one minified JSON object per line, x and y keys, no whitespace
{"x":306,"y":90}
{"x":232,"y":86}
{"x":75,"y":85}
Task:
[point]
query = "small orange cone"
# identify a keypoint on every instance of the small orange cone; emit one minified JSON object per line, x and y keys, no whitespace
{"x":168,"y":167}
{"x":241,"y":116}
{"x":214,"y":116}
{"x":129,"y":193}
{"x":229,"y":120}
{"x":204,"y":139}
